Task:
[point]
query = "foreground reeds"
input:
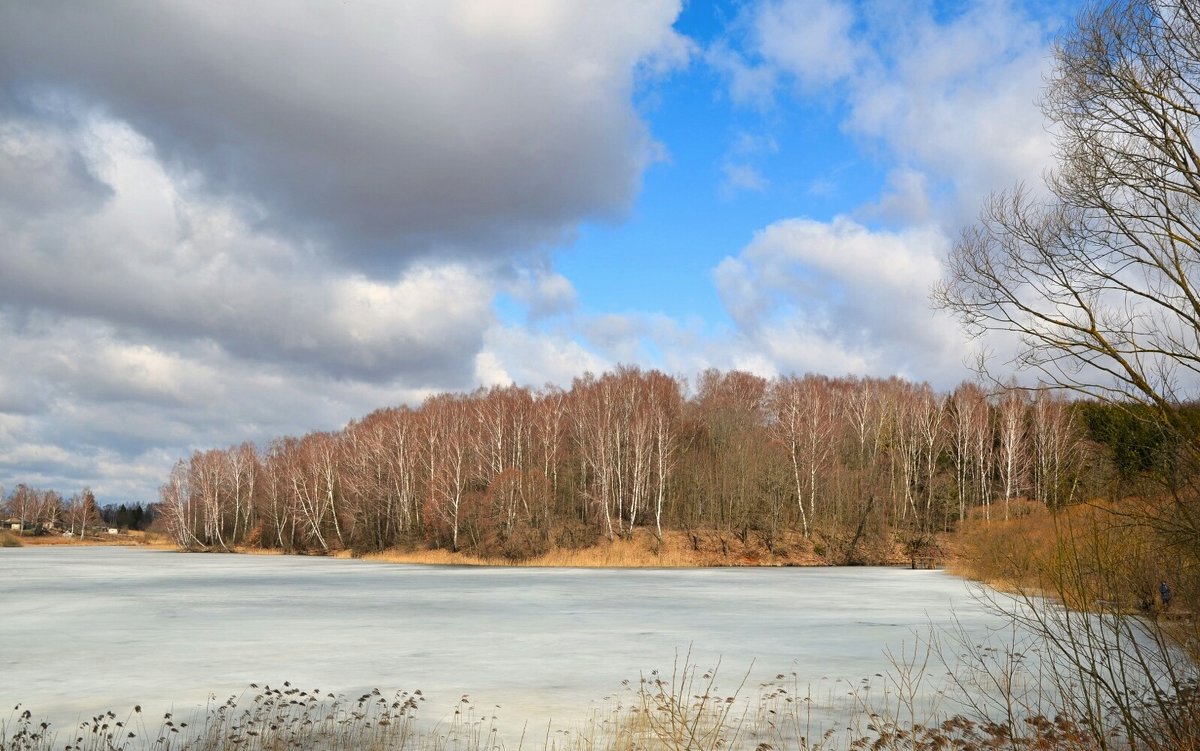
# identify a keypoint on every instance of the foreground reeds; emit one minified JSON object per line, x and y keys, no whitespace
{"x":683,"y":710}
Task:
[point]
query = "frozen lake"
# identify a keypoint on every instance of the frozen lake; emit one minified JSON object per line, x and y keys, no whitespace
{"x":89,"y":629}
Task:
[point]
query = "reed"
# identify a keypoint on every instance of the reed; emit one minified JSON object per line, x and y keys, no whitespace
{"x":684,"y":709}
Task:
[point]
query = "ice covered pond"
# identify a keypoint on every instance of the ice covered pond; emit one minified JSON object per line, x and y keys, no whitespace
{"x":89,"y":629}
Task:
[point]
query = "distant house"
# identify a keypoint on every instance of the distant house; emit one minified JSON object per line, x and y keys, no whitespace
{"x":113,"y":531}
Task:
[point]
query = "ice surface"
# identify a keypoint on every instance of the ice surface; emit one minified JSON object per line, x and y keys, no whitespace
{"x":89,"y":629}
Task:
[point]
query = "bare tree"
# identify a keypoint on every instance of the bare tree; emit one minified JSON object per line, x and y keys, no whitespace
{"x":803,"y":419}
{"x":1055,"y":449}
{"x":594,"y":423}
{"x":1099,"y":280}
{"x":83,"y":513}
{"x":969,"y":416}
{"x":22,"y":503}
{"x":1012,"y":454}
{"x":665,"y":405}
{"x":451,"y":460}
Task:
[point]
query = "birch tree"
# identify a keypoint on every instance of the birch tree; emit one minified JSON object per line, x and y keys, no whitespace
{"x":1012,"y":453}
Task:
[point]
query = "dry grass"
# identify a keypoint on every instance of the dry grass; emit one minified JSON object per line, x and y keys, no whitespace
{"x":1088,"y":556}
{"x":132,"y":538}
{"x":122,"y":541}
{"x":642,"y":549}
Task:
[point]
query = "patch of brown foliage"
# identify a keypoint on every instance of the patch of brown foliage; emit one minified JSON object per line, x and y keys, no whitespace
{"x":1099,"y":555}
{"x":678,"y":549}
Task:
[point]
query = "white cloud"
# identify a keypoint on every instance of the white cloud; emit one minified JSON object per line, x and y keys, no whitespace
{"x":120,"y":409}
{"x":905,"y":199}
{"x":543,"y":291}
{"x":152,"y":253}
{"x":740,"y":177}
{"x":397,"y":129}
{"x":749,"y":84}
{"x":946,"y":103}
{"x":957,"y":99}
{"x":838,"y":297}
{"x":809,"y":39}
{"x":518,"y":355}
{"x":950,"y":99}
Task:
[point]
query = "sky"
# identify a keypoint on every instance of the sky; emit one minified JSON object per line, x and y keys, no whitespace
{"x":223,"y":222}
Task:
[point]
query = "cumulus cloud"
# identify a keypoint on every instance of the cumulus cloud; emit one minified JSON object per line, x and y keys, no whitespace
{"x":946,"y":101}
{"x":143,"y":318}
{"x":514,"y":354}
{"x":393,"y":128}
{"x":118,"y":409}
{"x":839,"y":297}
{"x":810,"y":39}
{"x":905,"y":199}
{"x":224,"y":223}
{"x":949,"y":98}
{"x":543,"y":291}
{"x":149,"y":252}
{"x":957,"y":99}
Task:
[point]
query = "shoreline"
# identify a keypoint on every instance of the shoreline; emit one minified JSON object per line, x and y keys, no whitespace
{"x":642,"y":550}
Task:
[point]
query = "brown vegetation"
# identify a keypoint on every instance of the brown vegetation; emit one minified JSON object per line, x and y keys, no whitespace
{"x":1110,"y":596}
{"x":643,"y":549}
{"x":790,"y":470}
{"x":132,"y":538}
{"x":1106,"y":555}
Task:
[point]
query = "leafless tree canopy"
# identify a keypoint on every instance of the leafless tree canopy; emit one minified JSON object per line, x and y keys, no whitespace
{"x":510,"y":471}
{"x":1098,"y":275}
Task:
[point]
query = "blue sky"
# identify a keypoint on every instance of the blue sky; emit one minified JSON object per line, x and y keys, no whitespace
{"x":220,"y":224}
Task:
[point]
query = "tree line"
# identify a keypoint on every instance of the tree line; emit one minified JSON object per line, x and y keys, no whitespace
{"x":38,"y":509}
{"x":510,"y":471}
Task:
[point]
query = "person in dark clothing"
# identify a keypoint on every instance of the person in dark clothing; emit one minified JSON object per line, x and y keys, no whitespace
{"x":1165,"y":593}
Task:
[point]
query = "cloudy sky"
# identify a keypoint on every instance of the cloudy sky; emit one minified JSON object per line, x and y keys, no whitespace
{"x":226,"y":221}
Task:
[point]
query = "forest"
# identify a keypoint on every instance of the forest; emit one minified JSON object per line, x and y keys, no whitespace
{"x":510,"y":472}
